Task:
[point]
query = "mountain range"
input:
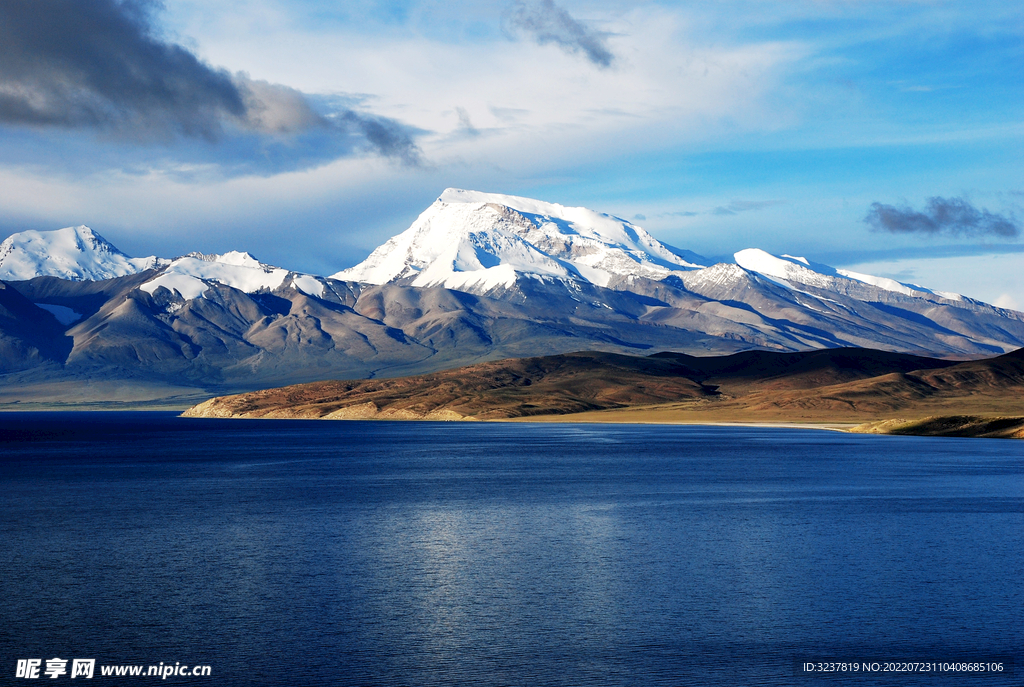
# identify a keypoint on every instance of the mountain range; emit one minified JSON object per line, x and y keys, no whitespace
{"x":476,"y":277}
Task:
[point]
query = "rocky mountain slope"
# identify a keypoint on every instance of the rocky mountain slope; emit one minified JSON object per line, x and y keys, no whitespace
{"x":477,"y":277}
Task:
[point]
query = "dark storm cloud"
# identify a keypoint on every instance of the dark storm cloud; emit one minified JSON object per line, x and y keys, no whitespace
{"x":98,"y":64}
{"x":950,"y":216}
{"x":387,"y":136}
{"x":549,"y":23}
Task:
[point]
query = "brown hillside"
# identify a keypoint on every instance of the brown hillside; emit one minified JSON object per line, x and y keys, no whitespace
{"x":558,"y":384}
{"x":838,"y":385}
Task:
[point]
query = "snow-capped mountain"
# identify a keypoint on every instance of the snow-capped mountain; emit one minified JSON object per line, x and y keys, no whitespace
{"x":802,"y":271}
{"x":190,"y":276}
{"x":479,"y":242}
{"x":476,"y":277}
{"x":81,"y":254}
{"x":74,"y":253}
{"x":483,"y":242}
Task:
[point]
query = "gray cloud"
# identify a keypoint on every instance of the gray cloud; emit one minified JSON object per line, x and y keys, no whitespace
{"x":387,"y":136}
{"x":465,"y":123}
{"x":274,"y":109}
{"x":99,"y":64}
{"x":951,"y":216}
{"x":549,"y":23}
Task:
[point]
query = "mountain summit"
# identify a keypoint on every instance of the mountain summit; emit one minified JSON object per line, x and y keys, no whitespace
{"x":479,"y":242}
{"x":74,"y":253}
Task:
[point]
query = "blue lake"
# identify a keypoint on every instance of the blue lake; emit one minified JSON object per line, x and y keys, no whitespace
{"x":376,"y":553}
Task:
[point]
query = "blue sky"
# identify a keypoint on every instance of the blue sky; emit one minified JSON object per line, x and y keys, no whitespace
{"x":308,"y":133}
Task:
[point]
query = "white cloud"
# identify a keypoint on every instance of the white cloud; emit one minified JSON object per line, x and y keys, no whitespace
{"x":536,"y":110}
{"x":1007,"y":300}
{"x":668,"y":85}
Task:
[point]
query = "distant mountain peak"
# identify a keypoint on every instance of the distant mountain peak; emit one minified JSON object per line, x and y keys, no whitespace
{"x":72,"y":253}
{"x":234,"y":257}
{"x":192,"y":274}
{"x":803,"y":271}
{"x":470,"y":240}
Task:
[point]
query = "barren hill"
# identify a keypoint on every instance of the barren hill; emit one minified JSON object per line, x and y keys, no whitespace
{"x":838,"y":385}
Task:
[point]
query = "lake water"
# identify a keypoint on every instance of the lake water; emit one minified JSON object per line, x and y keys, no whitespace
{"x":375,"y":553}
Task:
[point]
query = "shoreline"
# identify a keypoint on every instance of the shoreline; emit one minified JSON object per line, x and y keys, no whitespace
{"x":838,"y":426}
{"x":780,"y":424}
{"x":947,"y":425}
